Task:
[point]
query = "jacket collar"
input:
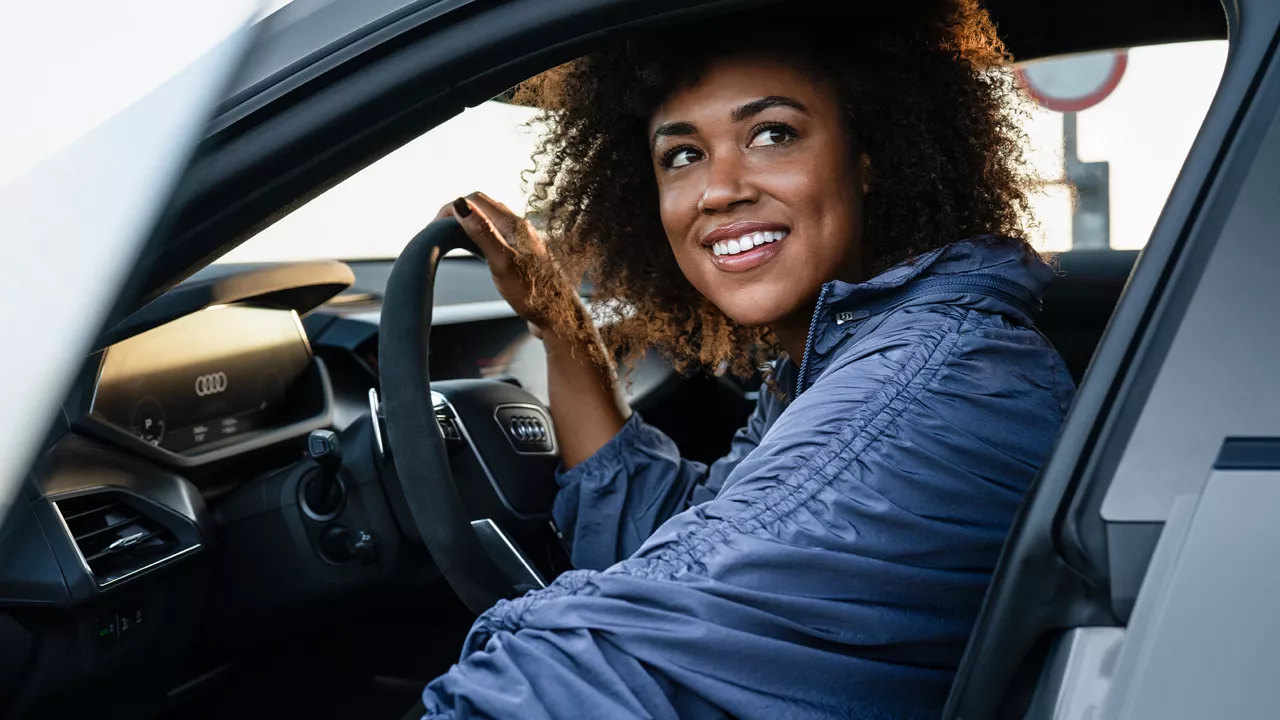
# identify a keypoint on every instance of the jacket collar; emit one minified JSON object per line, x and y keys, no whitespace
{"x":988,"y":273}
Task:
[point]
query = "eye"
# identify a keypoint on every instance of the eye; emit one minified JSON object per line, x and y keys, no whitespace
{"x":773,"y":134}
{"x":680,"y":156}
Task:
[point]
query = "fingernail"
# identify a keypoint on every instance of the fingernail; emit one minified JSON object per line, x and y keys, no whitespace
{"x":461,"y":207}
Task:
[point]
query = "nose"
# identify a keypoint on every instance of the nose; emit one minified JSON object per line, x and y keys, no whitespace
{"x":727,"y":185}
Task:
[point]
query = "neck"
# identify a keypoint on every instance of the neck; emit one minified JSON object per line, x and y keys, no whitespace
{"x":793,"y":342}
{"x":793,"y":331}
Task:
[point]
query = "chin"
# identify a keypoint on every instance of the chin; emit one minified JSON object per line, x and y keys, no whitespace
{"x":752,"y":314}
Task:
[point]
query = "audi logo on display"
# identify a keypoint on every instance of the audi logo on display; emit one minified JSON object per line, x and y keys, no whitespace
{"x":211,"y":384}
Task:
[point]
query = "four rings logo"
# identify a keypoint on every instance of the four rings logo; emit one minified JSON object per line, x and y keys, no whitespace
{"x":211,"y":384}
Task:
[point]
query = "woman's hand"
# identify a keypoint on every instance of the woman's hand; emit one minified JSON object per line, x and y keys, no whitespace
{"x":501,"y":236}
{"x":587,"y":407}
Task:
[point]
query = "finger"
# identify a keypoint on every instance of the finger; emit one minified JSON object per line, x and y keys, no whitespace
{"x":506,"y":222}
{"x":445,"y":211}
{"x":489,"y":204}
{"x":481,"y":231}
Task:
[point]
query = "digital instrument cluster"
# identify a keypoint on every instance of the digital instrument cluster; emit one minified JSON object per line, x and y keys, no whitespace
{"x":203,"y":380}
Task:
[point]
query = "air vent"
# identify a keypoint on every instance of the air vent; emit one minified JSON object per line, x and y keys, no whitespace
{"x":114,"y":538}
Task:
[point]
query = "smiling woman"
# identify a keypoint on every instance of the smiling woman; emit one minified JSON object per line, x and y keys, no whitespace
{"x":845,"y":206}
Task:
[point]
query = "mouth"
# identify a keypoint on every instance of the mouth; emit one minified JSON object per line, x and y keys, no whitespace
{"x":742,"y":246}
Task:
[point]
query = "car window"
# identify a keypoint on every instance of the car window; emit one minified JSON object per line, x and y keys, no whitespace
{"x":1104,"y":170}
{"x":1128,"y":147}
{"x":374,"y":213}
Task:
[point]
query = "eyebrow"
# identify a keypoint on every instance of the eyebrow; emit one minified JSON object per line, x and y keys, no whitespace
{"x":672,"y":129}
{"x":755,"y":107}
{"x":745,"y":111}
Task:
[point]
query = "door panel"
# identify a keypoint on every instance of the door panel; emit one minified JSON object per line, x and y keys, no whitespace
{"x":1055,"y":573}
{"x":73,"y":224}
{"x":1222,"y":361}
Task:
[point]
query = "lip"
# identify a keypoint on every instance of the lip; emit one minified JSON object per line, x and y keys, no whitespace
{"x":751,"y":259}
{"x":740,"y":228}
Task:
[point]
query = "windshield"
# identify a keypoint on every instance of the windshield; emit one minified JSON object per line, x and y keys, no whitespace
{"x":375,"y":212}
{"x":1106,"y":169}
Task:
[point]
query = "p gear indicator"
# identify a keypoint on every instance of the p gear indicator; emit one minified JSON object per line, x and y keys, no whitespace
{"x":148,"y":420}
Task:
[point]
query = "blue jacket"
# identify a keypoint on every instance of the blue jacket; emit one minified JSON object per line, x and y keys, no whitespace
{"x":832,"y":564}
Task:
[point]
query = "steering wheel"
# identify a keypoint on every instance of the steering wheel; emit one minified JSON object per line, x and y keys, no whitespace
{"x":479,"y":562}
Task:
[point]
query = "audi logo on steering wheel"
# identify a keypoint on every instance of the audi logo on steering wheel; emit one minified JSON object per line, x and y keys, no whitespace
{"x":211,"y":384}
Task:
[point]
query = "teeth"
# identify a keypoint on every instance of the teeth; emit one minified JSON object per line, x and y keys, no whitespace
{"x":746,"y":242}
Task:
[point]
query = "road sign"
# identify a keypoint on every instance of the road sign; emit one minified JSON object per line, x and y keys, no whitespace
{"x":1075,"y":82}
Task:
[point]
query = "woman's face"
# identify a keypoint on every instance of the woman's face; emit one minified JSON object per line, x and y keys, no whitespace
{"x":760,"y":191}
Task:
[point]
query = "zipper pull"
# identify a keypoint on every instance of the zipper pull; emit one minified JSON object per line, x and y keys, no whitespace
{"x":850,"y":315}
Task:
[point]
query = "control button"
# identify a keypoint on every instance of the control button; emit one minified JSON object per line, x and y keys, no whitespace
{"x":448,"y":427}
{"x":340,"y":545}
{"x":335,"y":544}
{"x":365,"y":546}
{"x":324,"y":444}
{"x":106,"y":630}
{"x":129,"y":620}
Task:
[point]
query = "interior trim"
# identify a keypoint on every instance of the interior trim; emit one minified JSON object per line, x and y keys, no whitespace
{"x":492,"y":537}
{"x":1249,"y":453}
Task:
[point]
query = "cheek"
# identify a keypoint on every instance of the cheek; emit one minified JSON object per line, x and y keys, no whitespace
{"x":678,"y":208}
{"x":827,"y":193}
{"x":678,"y":205}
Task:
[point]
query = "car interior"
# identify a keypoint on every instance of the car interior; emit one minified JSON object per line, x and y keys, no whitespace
{"x":221,"y":522}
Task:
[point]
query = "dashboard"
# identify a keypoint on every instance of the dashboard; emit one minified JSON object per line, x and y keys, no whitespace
{"x":203,"y":381}
{"x":171,"y":506}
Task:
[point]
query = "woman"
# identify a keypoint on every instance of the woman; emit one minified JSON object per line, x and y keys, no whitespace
{"x":846,"y":204}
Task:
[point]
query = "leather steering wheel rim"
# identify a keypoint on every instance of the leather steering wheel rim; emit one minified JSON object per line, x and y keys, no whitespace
{"x":417,"y":448}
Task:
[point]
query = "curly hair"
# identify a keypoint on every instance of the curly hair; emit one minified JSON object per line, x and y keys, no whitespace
{"x":929,"y":99}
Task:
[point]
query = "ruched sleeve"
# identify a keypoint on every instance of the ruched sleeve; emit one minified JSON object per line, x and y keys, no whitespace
{"x":609,"y":504}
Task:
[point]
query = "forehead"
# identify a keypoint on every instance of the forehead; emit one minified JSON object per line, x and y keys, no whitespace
{"x":729,"y":81}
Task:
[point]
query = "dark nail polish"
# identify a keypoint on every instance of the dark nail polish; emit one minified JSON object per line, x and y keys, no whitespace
{"x":461,"y":207}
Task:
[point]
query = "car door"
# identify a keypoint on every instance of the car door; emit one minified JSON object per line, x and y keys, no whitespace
{"x":1139,"y":579}
{"x":137,"y":82}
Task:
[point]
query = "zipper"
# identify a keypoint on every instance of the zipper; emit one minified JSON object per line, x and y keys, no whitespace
{"x":803,"y":376}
